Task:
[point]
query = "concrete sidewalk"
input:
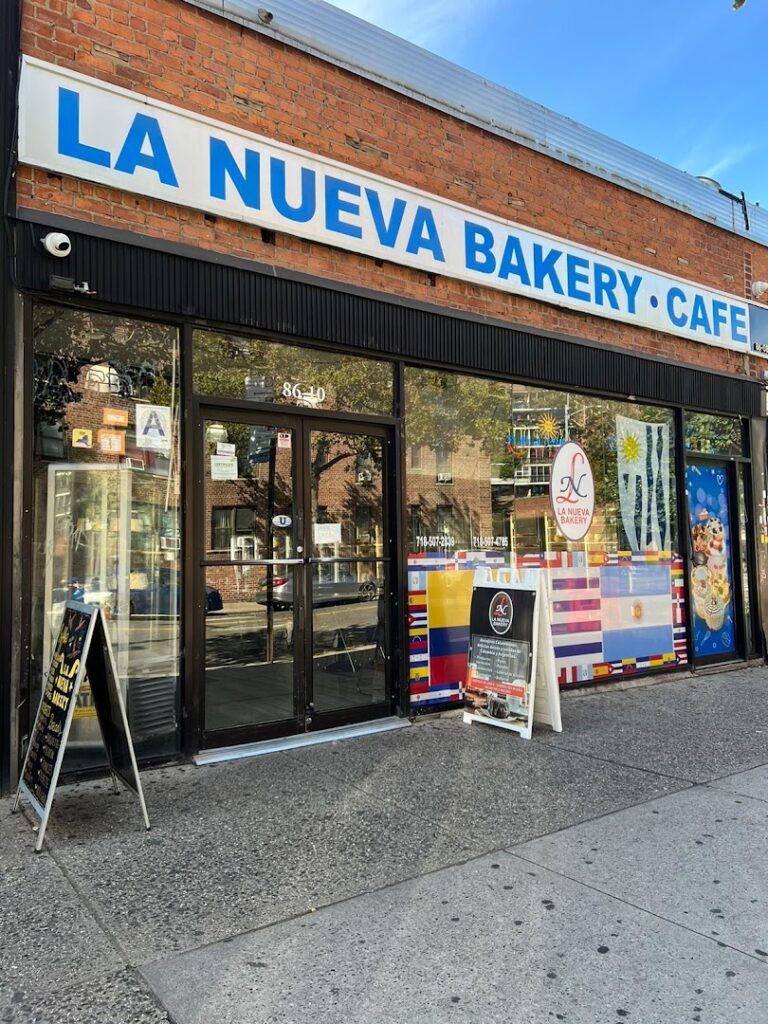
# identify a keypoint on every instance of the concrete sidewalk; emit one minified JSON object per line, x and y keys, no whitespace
{"x":614,"y":873}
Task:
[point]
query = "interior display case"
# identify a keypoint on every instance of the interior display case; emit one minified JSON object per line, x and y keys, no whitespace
{"x":112,"y":540}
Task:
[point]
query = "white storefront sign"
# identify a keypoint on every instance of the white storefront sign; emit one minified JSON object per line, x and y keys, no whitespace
{"x":224,"y":467}
{"x":75,"y":125}
{"x":572,"y":491}
{"x":327,"y":533}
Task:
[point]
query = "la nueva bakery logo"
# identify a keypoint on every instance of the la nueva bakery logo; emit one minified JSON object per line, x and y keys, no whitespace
{"x":572,"y":491}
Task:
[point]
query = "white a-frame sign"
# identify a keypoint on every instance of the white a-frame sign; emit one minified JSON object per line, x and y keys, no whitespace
{"x":511,"y":681}
{"x":82,"y":649}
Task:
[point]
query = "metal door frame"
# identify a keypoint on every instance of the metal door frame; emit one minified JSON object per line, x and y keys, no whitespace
{"x":302,"y":422}
{"x":755,"y":649}
{"x":346,"y":716}
{"x":206,"y":411}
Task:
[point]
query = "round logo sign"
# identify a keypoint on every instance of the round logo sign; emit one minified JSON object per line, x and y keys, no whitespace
{"x":500,"y":613}
{"x":572,"y":491}
{"x":281,"y":522}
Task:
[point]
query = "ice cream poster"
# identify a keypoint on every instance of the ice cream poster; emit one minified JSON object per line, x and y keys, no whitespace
{"x":711,"y":577}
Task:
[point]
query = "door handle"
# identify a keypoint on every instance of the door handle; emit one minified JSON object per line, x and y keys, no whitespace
{"x":229,"y":563}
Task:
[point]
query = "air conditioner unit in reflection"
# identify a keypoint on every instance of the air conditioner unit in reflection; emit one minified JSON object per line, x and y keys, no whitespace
{"x":445,"y":478}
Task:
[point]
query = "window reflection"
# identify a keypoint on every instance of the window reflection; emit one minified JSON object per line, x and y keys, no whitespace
{"x":249,"y":510}
{"x":347,"y":497}
{"x":249,"y":648}
{"x":268,"y":371}
{"x":106,"y":508}
{"x":488,"y":447}
{"x":348,"y":634}
{"x":480,"y":498}
{"x":713,"y":435}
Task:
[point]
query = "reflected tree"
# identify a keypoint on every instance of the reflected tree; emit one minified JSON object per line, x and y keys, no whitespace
{"x":268,"y":371}
{"x":127,"y":357}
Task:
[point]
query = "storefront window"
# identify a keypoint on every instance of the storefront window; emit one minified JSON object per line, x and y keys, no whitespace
{"x":713,"y":435}
{"x":106,"y":509}
{"x":266,"y":371}
{"x":483,"y":500}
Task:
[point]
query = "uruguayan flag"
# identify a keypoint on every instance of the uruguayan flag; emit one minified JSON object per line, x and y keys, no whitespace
{"x":642,"y":456}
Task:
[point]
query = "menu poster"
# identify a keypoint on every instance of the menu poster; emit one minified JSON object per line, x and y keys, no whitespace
{"x":82,"y":651}
{"x":511,"y":680}
{"x":501,"y":637}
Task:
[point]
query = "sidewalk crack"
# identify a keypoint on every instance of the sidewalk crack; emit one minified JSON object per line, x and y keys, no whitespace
{"x":636,"y":906}
{"x":559,"y":747}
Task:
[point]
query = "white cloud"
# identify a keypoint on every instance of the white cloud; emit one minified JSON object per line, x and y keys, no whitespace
{"x":711,"y":156}
{"x":427,"y":23}
{"x":729,"y":159}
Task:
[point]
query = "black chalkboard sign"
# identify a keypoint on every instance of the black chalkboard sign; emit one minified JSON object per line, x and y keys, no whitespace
{"x":54,"y":716}
{"x":110,"y":709}
{"x":82,"y":651}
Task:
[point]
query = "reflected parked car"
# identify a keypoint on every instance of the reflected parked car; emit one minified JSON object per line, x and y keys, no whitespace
{"x":162,"y":595}
{"x":87,"y":591}
{"x":324,"y":591}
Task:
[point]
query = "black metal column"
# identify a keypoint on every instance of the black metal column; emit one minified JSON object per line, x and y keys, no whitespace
{"x":9,"y":73}
{"x":759,"y":532}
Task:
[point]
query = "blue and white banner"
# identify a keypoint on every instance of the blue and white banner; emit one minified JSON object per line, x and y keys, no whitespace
{"x":636,"y":610}
{"x":642,"y":464}
{"x":75,"y":125}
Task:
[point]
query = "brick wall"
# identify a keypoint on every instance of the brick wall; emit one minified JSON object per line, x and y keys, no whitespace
{"x":204,"y":63}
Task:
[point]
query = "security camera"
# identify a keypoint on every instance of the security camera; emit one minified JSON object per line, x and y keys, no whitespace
{"x":759,"y":288}
{"x":57,"y":244}
{"x":265,"y":16}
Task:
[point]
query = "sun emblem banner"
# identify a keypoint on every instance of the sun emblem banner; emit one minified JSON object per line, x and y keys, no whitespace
{"x":642,"y":455}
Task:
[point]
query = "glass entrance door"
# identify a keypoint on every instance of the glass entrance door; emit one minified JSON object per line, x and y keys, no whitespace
{"x":250,"y":559}
{"x":348,"y":575}
{"x":294,"y":583}
{"x":714,"y":587}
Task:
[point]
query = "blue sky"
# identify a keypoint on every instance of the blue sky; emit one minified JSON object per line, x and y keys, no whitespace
{"x":683,"y":80}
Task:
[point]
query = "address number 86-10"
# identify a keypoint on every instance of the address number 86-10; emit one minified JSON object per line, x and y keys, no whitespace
{"x":301,"y":394}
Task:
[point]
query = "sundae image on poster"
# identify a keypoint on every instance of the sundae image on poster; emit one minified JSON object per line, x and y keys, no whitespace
{"x":711,"y":580}
{"x":500,"y":653}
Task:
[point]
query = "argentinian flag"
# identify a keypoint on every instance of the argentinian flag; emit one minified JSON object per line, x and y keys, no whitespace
{"x":636,"y":609}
